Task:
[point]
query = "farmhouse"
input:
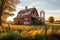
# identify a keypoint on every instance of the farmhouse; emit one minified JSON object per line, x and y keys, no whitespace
{"x":26,"y":16}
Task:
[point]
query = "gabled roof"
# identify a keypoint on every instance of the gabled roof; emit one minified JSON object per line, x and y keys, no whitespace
{"x":26,"y":12}
{"x":23,"y":11}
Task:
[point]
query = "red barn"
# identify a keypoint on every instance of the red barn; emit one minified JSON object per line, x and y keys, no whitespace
{"x":26,"y":16}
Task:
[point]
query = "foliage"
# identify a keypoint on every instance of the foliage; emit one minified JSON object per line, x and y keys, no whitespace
{"x":35,"y":33}
{"x":53,"y":36}
{"x":10,"y":36}
{"x":16,"y":36}
{"x":6,"y":8}
{"x":37,"y":22}
{"x":39,"y":37}
{"x":51,"y":19}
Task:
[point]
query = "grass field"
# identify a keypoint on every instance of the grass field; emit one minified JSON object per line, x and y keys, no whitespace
{"x":32,"y":30}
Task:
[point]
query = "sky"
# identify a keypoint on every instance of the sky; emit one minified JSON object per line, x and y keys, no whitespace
{"x":51,"y":8}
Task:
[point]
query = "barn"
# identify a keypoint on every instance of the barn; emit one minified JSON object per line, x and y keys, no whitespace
{"x":26,"y":16}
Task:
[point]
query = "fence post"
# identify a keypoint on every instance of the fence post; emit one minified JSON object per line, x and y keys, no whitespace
{"x":46,"y":32}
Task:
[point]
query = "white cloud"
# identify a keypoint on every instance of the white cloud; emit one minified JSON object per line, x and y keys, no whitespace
{"x":52,"y":11}
{"x":36,"y":3}
{"x":29,"y":0}
{"x":53,"y":0}
{"x":18,"y":7}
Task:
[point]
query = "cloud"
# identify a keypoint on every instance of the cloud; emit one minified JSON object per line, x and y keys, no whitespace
{"x":29,"y":0}
{"x":36,"y":3}
{"x":18,"y":7}
{"x":56,"y":11}
{"x":53,"y":0}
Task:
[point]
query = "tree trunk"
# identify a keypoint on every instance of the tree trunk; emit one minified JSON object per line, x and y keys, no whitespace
{"x":46,"y":32}
{"x":1,"y":10}
{"x":0,"y":18}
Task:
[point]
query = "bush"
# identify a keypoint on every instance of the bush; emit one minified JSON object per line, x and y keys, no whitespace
{"x":39,"y":37}
{"x":53,"y":36}
{"x":11,"y":36}
{"x":15,"y":36}
{"x":27,"y":38}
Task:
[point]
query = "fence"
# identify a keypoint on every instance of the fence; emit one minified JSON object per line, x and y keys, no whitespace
{"x":50,"y":31}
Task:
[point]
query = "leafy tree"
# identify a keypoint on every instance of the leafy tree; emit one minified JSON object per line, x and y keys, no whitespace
{"x":6,"y":7}
{"x":51,"y":19}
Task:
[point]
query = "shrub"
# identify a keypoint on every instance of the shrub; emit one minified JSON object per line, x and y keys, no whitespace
{"x":39,"y":37}
{"x":11,"y":36}
{"x":53,"y":36}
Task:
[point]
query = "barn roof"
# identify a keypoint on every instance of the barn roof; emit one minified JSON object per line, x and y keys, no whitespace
{"x":25,"y":12}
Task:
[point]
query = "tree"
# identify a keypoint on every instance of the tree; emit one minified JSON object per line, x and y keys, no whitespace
{"x":51,"y":19}
{"x":6,"y":7}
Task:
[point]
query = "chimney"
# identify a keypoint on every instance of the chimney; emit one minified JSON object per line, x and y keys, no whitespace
{"x":25,"y":7}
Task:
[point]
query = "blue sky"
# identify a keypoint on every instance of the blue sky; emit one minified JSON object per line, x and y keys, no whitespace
{"x":51,"y":7}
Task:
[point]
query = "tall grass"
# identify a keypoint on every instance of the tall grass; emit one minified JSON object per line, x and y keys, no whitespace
{"x":30,"y":32}
{"x":16,"y":36}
